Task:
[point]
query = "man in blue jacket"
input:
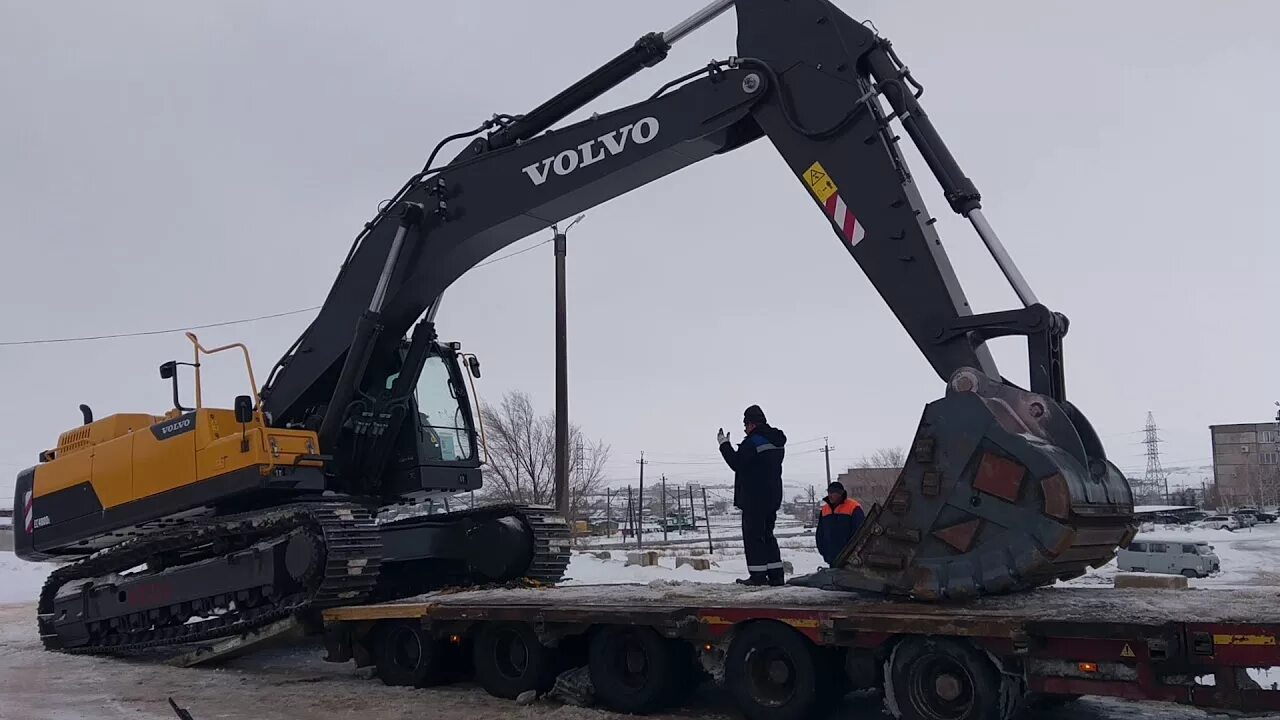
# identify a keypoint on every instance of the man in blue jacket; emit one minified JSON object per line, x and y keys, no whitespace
{"x":757,"y":492}
{"x":839,"y":522}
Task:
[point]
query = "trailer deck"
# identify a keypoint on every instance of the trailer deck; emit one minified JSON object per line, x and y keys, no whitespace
{"x":1207,"y":648}
{"x":1065,"y":604}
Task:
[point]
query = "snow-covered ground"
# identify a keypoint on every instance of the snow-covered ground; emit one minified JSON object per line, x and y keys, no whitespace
{"x":1249,"y":557}
{"x":20,"y":581}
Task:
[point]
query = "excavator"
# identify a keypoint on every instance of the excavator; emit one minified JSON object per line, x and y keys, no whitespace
{"x":204,"y":522}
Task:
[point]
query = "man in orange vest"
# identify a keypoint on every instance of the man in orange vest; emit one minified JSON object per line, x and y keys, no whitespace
{"x":841,"y":517}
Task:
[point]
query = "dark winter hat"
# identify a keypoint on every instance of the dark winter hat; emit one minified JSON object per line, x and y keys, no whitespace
{"x":835,"y":487}
{"x":753,"y":414}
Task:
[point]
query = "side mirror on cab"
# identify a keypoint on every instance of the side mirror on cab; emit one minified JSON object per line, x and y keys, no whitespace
{"x":473,"y":364}
{"x":244,"y":409}
{"x":168,"y":370}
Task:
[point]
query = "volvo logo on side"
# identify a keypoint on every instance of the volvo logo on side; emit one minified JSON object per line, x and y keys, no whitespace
{"x":172,"y":428}
{"x":593,"y":151}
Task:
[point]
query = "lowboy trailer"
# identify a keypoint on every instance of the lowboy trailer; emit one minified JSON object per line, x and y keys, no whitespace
{"x":783,"y":653}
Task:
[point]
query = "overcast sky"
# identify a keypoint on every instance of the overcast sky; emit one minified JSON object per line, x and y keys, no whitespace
{"x":168,"y":164}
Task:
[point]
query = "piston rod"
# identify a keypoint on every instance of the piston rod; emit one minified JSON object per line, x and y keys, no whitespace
{"x":696,"y":20}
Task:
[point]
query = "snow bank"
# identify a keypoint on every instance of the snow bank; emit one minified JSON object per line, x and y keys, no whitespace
{"x":20,"y":581}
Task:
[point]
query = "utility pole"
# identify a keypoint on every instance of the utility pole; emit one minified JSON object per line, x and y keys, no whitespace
{"x":710,"y":548}
{"x":679,"y":511}
{"x":640,"y":506}
{"x":664,"y":507}
{"x":630,"y":518}
{"x":693,"y":511}
{"x":562,"y":373}
{"x":608,"y":512}
{"x":826,"y":450}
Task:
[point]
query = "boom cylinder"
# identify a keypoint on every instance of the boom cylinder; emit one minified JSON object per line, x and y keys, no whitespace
{"x":648,"y":51}
{"x":366,"y":334}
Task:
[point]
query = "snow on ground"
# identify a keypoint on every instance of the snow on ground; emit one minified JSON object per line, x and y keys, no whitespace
{"x":728,"y":564}
{"x":1249,"y":557}
{"x":20,"y":580}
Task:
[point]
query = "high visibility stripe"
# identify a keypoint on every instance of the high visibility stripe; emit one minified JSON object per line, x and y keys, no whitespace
{"x":848,"y":507}
{"x":757,"y":568}
{"x":844,"y":220}
{"x":766,"y":446}
{"x":774,"y":566}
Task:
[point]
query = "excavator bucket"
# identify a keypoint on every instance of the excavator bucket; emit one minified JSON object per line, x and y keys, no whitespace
{"x":1003,"y":490}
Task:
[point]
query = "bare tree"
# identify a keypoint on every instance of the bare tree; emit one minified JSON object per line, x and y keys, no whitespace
{"x":520,"y":467}
{"x":872,"y":476}
{"x":884,"y":458}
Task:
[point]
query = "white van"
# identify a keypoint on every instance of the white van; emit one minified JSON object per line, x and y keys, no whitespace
{"x":1191,"y":558}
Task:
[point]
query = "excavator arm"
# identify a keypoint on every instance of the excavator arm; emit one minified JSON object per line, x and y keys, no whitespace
{"x":1006,"y":487}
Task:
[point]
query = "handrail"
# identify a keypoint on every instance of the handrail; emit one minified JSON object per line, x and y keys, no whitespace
{"x":253,"y":383}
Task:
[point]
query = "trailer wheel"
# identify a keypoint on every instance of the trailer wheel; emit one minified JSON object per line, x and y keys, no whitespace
{"x":405,"y":654}
{"x":943,"y":679}
{"x":633,"y":669}
{"x":509,"y":660}
{"x":771,"y":672}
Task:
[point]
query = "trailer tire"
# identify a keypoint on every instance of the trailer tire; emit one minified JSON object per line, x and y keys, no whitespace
{"x":943,"y":679}
{"x":633,"y":669}
{"x":509,"y":660}
{"x":772,"y":672}
{"x":405,"y":654}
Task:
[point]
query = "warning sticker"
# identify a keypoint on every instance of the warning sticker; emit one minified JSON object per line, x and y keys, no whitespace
{"x":1127,"y":651}
{"x":1244,"y":639}
{"x":819,"y":182}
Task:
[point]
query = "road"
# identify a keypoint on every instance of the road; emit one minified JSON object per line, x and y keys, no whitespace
{"x":294,"y":683}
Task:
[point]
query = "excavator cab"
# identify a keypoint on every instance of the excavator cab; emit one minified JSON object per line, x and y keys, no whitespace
{"x":415,"y":431}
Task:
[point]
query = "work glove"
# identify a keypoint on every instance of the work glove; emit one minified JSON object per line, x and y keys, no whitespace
{"x":722,"y":436}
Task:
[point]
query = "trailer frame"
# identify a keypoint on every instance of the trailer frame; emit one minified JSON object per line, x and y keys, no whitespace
{"x":1167,"y":655}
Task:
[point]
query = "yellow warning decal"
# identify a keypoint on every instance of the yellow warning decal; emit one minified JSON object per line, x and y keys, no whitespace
{"x":715,"y":620}
{"x":819,"y":182}
{"x":1244,"y":639}
{"x":800,"y":623}
{"x":1127,"y":651}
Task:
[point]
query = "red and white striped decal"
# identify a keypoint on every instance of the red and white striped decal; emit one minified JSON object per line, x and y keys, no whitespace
{"x":26,"y":510}
{"x":842,"y":217}
{"x":824,"y":188}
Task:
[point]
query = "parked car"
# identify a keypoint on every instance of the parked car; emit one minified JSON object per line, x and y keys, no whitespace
{"x":1220,"y":522}
{"x":1192,"y":559}
{"x":1195,"y":516}
{"x":1246,"y":519}
{"x":1169,"y":519}
{"x":1265,"y":517}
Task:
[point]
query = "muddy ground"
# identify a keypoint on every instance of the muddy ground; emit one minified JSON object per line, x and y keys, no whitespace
{"x":294,"y":683}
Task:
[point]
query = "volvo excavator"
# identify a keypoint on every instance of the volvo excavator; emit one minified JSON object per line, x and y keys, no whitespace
{"x":202,"y":522}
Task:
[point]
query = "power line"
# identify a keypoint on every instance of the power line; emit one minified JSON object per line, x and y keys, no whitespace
{"x":224,"y":323}
{"x":142,"y":333}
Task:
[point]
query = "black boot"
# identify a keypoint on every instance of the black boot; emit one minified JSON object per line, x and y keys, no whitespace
{"x":776,"y":577}
{"x":757,"y":579}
